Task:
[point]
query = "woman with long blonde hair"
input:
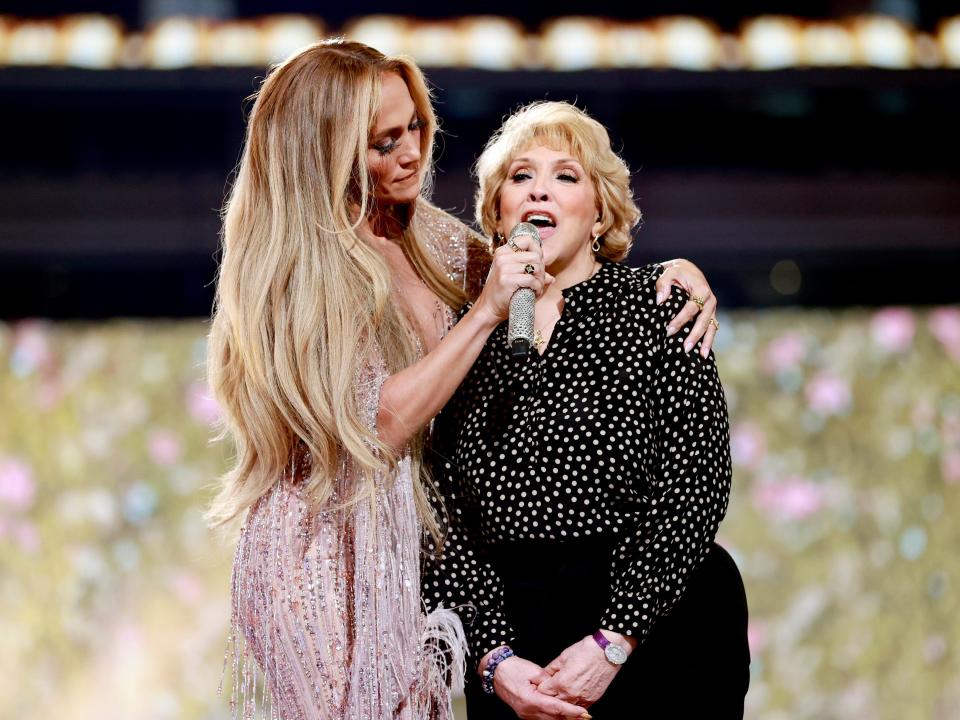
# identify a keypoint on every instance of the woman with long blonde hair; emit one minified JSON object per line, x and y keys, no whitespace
{"x":332,"y":347}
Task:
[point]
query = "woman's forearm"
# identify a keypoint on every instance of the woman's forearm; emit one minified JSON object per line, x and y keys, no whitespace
{"x":411,"y":398}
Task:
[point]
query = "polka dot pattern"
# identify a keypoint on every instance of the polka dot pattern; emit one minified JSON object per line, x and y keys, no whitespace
{"x":615,"y":430}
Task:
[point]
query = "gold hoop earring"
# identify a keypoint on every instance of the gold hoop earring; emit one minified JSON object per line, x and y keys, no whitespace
{"x":596,"y":244}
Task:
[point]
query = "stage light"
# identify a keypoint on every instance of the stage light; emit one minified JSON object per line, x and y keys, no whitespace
{"x":494,"y":43}
{"x":283,"y":35}
{"x":91,"y":41}
{"x":387,"y":33}
{"x":827,"y":44}
{"x":948,"y":37}
{"x":33,"y":42}
{"x":771,"y":42}
{"x":632,"y":45}
{"x":174,"y":43}
{"x":689,"y":43}
{"x":236,"y":44}
{"x":884,"y":42}
{"x":572,"y":43}
{"x":434,"y":44}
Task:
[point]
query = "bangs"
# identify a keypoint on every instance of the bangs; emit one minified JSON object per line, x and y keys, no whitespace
{"x":555,"y":136}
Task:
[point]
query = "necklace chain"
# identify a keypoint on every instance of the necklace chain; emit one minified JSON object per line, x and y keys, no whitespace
{"x":538,"y":338}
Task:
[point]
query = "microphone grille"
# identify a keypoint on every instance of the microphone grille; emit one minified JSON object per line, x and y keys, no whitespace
{"x":525,"y":228}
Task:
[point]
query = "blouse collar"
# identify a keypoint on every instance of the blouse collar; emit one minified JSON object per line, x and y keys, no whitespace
{"x":586,"y":297}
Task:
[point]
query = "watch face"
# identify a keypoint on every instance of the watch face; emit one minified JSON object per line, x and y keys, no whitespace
{"x":615,"y":654}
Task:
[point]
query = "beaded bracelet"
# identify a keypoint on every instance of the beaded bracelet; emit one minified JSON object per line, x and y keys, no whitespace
{"x":501,"y":654}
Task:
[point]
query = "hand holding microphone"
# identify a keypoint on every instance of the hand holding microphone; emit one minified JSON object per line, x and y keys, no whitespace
{"x":520,"y":330}
{"x":509,"y":282}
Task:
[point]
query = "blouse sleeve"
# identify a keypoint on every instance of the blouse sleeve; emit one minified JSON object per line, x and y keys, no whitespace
{"x":460,"y":577}
{"x":686,"y":486}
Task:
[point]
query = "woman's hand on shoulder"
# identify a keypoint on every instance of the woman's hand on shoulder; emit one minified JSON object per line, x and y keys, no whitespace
{"x":507,"y":275}
{"x":688,"y":276}
{"x":515,"y":682}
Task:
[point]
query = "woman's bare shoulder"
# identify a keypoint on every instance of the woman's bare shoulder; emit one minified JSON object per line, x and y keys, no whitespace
{"x":464,"y":252}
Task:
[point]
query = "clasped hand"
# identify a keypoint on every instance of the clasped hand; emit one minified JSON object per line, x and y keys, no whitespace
{"x":573,"y":681}
{"x":516,"y":682}
{"x":580,"y":675}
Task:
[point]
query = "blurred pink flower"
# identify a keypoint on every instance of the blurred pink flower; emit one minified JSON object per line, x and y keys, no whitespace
{"x":792,"y":499}
{"x":129,"y":640}
{"x":49,"y":393}
{"x":892,"y":329}
{"x":164,"y":447}
{"x":828,"y":394}
{"x":28,"y":537}
{"x":17,"y":486}
{"x":784,"y":353}
{"x":944,"y":323}
{"x":748,"y":445}
{"x":203,"y":408}
{"x":187,"y":587}
{"x":950,"y":467}
{"x":757,"y":637}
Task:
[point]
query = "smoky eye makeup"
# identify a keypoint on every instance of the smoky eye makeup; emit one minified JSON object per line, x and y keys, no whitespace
{"x":385,"y":148}
{"x":389,"y":144}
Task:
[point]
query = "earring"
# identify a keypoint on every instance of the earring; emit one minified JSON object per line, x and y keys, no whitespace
{"x":596,"y":244}
{"x":497,"y":239}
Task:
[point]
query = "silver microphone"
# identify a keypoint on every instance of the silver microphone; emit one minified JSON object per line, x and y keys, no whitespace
{"x":520,"y":328}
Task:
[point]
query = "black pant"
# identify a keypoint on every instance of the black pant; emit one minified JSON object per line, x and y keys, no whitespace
{"x":694,"y":664}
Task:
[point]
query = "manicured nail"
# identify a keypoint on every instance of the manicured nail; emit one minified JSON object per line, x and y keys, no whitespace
{"x":671,"y":329}
{"x":704,"y":351}
{"x":688,"y":346}
{"x":586,"y":716}
{"x":660,"y":296}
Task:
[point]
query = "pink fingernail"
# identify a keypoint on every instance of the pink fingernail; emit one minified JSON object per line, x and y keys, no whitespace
{"x":660,"y":297}
{"x":671,"y":330}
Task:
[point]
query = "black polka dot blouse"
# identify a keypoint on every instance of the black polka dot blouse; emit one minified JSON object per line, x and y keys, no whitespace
{"x":614,"y":430}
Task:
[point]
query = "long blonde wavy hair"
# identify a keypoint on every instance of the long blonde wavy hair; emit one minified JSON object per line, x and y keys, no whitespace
{"x":302,"y":300}
{"x":563,"y":127}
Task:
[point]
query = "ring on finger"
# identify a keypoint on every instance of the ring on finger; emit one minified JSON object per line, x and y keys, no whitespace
{"x":529,"y":269}
{"x":513,"y":245}
{"x":715,"y":322}
{"x":697,"y":300}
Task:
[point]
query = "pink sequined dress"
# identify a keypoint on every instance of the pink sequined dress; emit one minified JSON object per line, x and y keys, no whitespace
{"x":327,"y":620}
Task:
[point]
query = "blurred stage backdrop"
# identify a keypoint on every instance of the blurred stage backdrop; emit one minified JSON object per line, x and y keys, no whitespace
{"x":806,"y":155}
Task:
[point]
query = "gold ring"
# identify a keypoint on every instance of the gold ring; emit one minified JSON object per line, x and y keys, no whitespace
{"x":529,"y":269}
{"x":715,"y":322}
{"x":699,"y":301}
{"x":513,"y":245}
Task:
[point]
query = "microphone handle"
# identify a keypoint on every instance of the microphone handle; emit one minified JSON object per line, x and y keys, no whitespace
{"x":520,"y":328}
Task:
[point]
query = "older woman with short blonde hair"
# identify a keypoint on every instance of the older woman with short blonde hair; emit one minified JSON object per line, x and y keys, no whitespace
{"x":586,"y":481}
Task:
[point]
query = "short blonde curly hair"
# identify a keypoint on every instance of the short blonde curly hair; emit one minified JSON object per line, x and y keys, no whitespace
{"x":562,"y":127}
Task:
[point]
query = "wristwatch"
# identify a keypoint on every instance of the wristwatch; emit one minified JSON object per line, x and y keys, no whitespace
{"x":614,"y":653}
